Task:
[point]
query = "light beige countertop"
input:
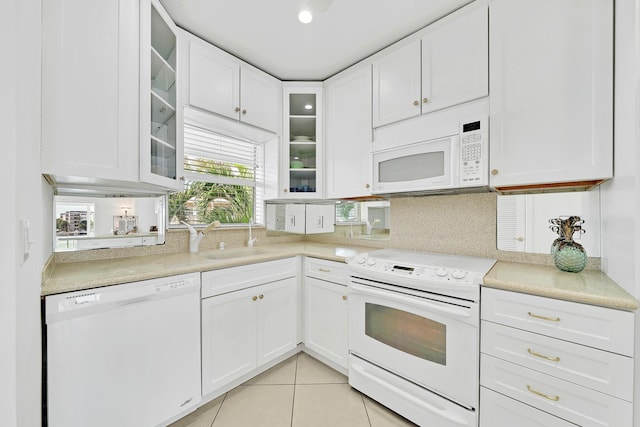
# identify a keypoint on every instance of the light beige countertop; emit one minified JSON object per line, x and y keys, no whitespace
{"x":74,"y":276}
{"x":588,"y":287}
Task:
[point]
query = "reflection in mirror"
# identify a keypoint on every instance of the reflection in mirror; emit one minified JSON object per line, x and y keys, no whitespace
{"x":83,"y":222}
{"x":368,"y":220}
{"x":523,"y":220}
{"x":365,"y":220}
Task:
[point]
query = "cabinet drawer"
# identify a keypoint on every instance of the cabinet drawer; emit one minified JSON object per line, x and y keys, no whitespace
{"x":580,"y":405}
{"x":497,"y":410}
{"x":597,"y":369}
{"x":331,"y":271}
{"x":598,"y":327}
{"x":234,"y":278}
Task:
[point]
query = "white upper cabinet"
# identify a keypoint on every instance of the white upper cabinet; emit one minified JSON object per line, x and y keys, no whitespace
{"x":109,"y":116}
{"x":447,"y":66}
{"x":455,"y":61}
{"x":396,"y":85}
{"x":90,"y":89}
{"x":551,"y":91}
{"x":161,"y":147}
{"x":302,"y":141}
{"x":222,"y":84}
{"x":348,"y":134}
{"x":259,"y":99}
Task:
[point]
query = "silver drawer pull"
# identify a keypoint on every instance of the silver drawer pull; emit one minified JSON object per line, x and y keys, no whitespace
{"x":551,"y":319}
{"x":537,"y":393}
{"x":324,"y":270}
{"x":542,"y":356}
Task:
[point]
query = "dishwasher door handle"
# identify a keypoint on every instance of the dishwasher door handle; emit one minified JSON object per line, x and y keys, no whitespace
{"x":137,"y":300}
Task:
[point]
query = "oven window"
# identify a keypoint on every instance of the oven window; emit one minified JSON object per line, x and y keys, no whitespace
{"x":412,"y":168}
{"x":407,"y":332}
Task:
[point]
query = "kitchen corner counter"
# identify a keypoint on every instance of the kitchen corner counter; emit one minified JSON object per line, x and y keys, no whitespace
{"x":75,"y":276}
{"x":587,"y":287}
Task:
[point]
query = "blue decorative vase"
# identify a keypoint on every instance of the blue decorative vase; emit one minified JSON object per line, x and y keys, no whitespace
{"x":570,"y":256}
{"x":567,"y":254}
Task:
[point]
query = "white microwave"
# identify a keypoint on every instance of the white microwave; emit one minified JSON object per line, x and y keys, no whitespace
{"x":447,"y":164}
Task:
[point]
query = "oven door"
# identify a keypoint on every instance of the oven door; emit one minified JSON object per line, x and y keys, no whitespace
{"x":429,"y":341}
{"x":422,"y":166}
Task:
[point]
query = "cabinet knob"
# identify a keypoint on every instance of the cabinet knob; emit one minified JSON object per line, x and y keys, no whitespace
{"x":261,"y":296}
{"x":255,"y":298}
{"x":344,"y":297}
{"x":416,"y":103}
{"x":286,"y":190}
{"x":494,"y":171}
{"x":244,"y":111}
{"x":367,"y":186}
{"x":237,"y":109}
{"x":425,"y":100}
{"x":182,"y":178}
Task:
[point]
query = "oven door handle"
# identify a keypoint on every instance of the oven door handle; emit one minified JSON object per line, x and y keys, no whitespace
{"x":443,"y":308}
{"x":403,"y":394}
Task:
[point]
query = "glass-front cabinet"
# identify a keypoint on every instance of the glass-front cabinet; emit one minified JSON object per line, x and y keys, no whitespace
{"x":161,"y":152}
{"x":302,"y":142}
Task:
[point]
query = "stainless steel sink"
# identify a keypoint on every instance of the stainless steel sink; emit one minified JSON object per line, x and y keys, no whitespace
{"x":233,"y":253}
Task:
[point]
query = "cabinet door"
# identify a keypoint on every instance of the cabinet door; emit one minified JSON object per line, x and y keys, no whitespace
{"x":396,"y":85}
{"x":161,"y":146}
{"x":302,"y":141}
{"x":259,"y":99}
{"x":214,"y":80}
{"x":326,"y":323}
{"x":228,"y":337}
{"x":348,"y":135}
{"x":90,"y":88}
{"x":277,"y":316}
{"x":320,"y":219}
{"x":551,"y":83}
{"x":455,"y":62}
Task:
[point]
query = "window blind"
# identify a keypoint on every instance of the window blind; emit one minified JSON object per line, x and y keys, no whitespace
{"x":215,"y":158}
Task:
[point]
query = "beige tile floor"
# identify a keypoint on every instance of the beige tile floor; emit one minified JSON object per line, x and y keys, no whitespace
{"x":299,"y":392}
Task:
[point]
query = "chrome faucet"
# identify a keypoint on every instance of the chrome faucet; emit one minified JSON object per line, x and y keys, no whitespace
{"x":195,"y":237}
{"x":252,"y":240}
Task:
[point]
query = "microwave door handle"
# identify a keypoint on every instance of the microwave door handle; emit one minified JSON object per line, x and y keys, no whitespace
{"x":445,"y":309}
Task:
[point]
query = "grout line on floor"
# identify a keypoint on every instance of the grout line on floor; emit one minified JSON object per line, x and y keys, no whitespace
{"x":224,"y":397}
{"x":295,"y":385}
{"x":366,"y":411}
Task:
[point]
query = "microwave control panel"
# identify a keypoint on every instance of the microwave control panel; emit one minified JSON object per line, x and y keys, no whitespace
{"x":472,"y":154}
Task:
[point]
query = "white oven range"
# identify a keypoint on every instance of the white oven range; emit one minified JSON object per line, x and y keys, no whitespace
{"x":414,"y":333}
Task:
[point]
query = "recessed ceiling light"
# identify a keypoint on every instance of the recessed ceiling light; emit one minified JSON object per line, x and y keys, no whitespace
{"x":308,"y":107}
{"x":305,"y":16}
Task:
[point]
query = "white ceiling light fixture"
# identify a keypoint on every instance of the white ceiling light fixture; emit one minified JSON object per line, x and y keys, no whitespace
{"x":305,"y":16}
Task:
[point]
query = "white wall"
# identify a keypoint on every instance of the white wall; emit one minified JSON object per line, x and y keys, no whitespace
{"x":8,"y":406}
{"x":20,"y":361}
{"x":621,"y":196}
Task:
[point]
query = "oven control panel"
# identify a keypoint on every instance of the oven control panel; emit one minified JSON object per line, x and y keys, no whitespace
{"x":398,"y":270}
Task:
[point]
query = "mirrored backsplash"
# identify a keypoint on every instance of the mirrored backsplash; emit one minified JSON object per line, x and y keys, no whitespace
{"x":83,"y":222}
{"x":523,"y":220}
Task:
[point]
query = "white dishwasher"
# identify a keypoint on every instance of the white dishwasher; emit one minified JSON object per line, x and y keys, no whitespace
{"x":124,"y":355}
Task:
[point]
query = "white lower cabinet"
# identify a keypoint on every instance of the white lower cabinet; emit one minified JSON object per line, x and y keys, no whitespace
{"x":547,"y":362}
{"x":247,"y":327}
{"x":325,"y":311}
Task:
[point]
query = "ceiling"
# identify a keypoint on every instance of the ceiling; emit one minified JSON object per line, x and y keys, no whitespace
{"x":267,"y":33}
